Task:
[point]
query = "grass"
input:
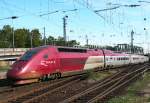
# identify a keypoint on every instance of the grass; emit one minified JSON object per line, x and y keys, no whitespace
{"x":98,"y":75}
{"x":128,"y":98}
{"x":148,"y":100}
{"x":131,"y":95}
{"x":4,"y":68}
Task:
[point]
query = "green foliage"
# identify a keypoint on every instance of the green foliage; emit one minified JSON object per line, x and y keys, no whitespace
{"x":37,"y":38}
{"x":97,"y":75}
{"x":110,"y":48}
{"x":61,"y":42}
{"x":20,"y":37}
{"x":50,"y":40}
{"x":5,"y":36}
{"x":131,"y":96}
{"x":23,"y":38}
{"x":4,"y":68}
{"x":148,"y":100}
{"x":72,"y":43}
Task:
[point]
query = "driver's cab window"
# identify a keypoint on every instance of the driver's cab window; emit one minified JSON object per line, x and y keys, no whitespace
{"x":45,"y":56}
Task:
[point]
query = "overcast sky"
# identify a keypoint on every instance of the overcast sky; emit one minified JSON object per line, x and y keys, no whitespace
{"x":108,"y":27}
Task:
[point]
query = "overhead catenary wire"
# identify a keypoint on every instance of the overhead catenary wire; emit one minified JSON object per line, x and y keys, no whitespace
{"x":97,"y":13}
{"x":29,"y":13}
{"x":38,"y":15}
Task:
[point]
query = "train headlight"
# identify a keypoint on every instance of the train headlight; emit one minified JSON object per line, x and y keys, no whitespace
{"x":33,"y":71}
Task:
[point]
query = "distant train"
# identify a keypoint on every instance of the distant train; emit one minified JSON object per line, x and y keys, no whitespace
{"x":54,"y":61}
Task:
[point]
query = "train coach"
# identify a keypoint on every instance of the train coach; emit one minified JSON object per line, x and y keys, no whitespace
{"x":54,"y":61}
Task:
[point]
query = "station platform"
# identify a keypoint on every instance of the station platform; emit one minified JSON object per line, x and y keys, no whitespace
{"x":2,"y":75}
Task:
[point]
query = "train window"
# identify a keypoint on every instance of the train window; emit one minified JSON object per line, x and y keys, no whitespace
{"x":29,"y":54}
{"x":72,"y":50}
{"x":45,"y":56}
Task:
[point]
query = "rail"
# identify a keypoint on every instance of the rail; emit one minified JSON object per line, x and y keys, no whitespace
{"x":99,"y":91}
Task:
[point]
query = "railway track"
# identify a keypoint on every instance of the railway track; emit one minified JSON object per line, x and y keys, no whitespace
{"x":10,"y":93}
{"x":58,"y":94}
{"x":26,"y":97}
{"x":90,"y":93}
{"x":99,"y":92}
{"x":10,"y":88}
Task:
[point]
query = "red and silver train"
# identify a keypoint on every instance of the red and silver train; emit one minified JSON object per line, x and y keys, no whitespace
{"x":47,"y":61}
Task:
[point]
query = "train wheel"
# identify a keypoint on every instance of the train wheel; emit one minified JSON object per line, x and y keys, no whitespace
{"x":53,"y":76}
{"x":44,"y":78}
{"x":40,"y":79}
{"x":58,"y":75}
{"x":48,"y":76}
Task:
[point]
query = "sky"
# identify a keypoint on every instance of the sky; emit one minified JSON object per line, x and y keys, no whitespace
{"x":108,"y":27}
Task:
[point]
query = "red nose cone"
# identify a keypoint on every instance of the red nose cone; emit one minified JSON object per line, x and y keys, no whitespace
{"x":16,"y":69}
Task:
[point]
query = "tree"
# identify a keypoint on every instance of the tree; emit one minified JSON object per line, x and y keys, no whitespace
{"x":110,"y":48}
{"x":23,"y":38}
{"x":6,"y":36}
{"x":51,"y":40}
{"x":20,"y":37}
{"x":60,"y":41}
{"x":36,"y":37}
{"x":72,"y":43}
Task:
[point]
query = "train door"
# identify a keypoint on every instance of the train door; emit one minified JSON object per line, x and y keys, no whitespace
{"x":44,"y":63}
{"x":49,"y":61}
{"x":53,"y":60}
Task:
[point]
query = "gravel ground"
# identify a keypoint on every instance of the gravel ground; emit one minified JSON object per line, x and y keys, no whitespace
{"x":15,"y":91}
{"x":53,"y":97}
{"x":66,"y":92}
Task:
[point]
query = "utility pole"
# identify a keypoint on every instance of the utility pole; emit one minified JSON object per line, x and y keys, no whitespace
{"x":64,"y":27}
{"x":13,"y":37}
{"x":44,"y":37}
{"x":132,"y":38}
{"x":13,"y":32}
{"x":31,"y":36}
{"x":87,"y":40}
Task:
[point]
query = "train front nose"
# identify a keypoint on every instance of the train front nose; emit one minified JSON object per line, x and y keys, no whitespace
{"x":16,"y":71}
